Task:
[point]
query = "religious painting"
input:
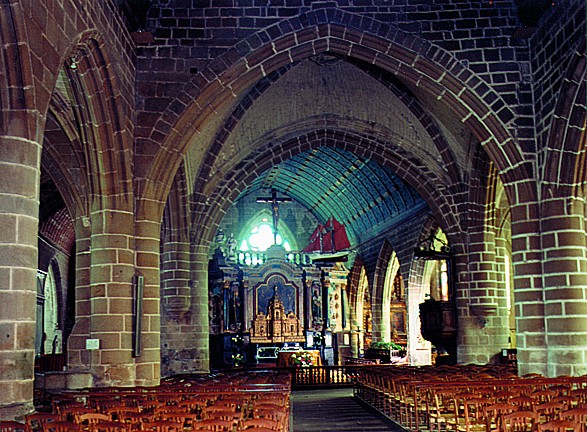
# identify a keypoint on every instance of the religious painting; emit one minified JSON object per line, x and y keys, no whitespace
{"x":286,"y":292}
{"x":398,"y":319}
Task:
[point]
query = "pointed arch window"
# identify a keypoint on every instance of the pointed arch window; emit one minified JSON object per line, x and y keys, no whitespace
{"x":260,"y":238}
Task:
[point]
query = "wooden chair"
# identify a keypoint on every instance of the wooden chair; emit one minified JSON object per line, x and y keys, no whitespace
{"x":13,"y":426}
{"x":88,"y":419}
{"x":62,"y":406}
{"x":441,"y":410}
{"x":73,"y":414}
{"x":524,"y":402}
{"x":560,"y":425}
{"x":259,"y":429}
{"x":568,"y":400}
{"x":580,"y":394}
{"x":267,"y":405}
{"x":215,"y":425}
{"x":135,"y":419}
{"x":186,"y":419}
{"x":109,"y":426}
{"x":493,"y":414}
{"x":260,"y":422}
{"x":117,"y":411}
{"x":504,"y":395}
{"x":549,"y":410}
{"x":35,"y":421}
{"x":222,"y":413}
{"x":61,"y":426}
{"x":151,"y":405}
{"x":544,"y":395}
{"x":563,"y":389}
{"x":281,"y":417}
{"x":193,"y":405}
{"x":471,"y":419}
{"x":578,"y":415}
{"x":520,"y":421}
{"x":163,"y":426}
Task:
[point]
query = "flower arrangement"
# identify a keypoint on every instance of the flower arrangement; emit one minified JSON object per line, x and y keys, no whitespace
{"x":303,"y":358}
{"x":237,"y":359}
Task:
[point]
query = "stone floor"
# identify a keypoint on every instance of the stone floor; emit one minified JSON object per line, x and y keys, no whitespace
{"x":336,"y":410}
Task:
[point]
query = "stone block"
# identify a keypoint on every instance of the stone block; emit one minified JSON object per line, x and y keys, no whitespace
{"x":7,"y":336}
{"x":25,"y":335}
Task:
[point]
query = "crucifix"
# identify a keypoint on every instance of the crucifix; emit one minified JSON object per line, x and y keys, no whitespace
{"x":274,"y":201}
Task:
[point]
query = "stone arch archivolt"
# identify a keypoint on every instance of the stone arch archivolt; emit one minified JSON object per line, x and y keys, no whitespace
{"x":175,"y":250}
{"x":218,"y":157}
{"x":211,"y":209}
{"x":381,"y":299}
{"x":356,"y":293}
{"x":101,"y":112}
{"x":84,"y":136}
{"x":566,"y":160}
{"x":16,"y":78}
{"x":403,"y":55}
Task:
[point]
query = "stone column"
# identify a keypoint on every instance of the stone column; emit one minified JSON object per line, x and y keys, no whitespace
{"x":199,"y":309}
{"x":565,"y":286}
{"x":19,"y":209}
{"x":104,"y":299}
{"x":185,"y":337}
{"x":77,"y":356}
{"x":380,"y":310}
{"x":175,"y":277}
{"x":528,"y":289}
{"x":147,"y":242}
{"x":482,"y":305}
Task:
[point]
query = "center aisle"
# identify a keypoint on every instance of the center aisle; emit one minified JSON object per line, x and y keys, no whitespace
{"x":335,"y":410}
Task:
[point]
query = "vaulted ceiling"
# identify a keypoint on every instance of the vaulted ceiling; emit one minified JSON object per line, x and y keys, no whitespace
{"x":361,"y":194}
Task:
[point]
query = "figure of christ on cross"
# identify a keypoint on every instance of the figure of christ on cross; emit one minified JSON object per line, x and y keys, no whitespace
{"x":274,"y":201}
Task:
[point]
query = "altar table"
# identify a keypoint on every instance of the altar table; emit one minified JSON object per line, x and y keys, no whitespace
{"x":284,"y":357}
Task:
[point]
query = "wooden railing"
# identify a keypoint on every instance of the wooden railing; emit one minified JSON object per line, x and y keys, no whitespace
{"x":325,"y":376}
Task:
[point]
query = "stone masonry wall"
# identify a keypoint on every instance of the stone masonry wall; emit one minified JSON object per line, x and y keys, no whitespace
{"x":189,"y":34}
{"x":552,"y":49}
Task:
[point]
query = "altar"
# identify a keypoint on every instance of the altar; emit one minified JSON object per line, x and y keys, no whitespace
{"x":286,"y":358}
{"x":259,"y":312}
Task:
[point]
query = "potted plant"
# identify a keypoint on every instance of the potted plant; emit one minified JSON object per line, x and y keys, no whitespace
{"x":382,"y":350}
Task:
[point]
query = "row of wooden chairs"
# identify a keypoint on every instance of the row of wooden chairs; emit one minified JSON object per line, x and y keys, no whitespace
{"x":13,"y":426}
{"x":230,"y":402}
{"x":458,"y":398}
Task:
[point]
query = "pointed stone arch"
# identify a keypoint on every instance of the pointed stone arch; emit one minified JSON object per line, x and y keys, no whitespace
{"x":175,"y":250}
{"x":215,"y":91}
{"x":566,"y":160}
{"x":381,"y":299}
{"x":356,"y":294}
{"x":100,"y":114}
{"x":211,"y":206}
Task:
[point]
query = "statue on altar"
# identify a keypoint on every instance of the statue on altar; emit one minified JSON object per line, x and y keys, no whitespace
{"x":317,"y":316}
{"x":235,"y":307}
